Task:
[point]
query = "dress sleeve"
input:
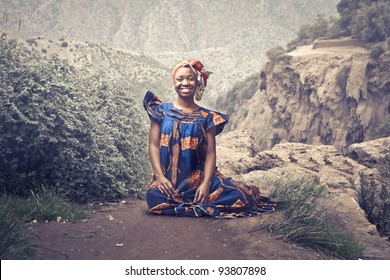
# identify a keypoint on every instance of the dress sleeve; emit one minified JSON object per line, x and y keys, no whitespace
{"x":216,"y":119}
{"x":153,"y":106}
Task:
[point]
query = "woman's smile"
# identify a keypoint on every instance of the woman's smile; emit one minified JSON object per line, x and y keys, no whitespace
{"x":186,"y":89}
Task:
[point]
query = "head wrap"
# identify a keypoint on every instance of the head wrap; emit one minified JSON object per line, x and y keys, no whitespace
{"x":201,"y":75}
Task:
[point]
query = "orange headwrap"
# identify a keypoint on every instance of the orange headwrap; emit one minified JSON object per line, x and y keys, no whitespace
{"x":198,"y":68}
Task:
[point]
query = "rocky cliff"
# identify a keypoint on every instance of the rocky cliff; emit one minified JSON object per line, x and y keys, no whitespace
{"x":333,"y":96}
{"x":238,"y":156}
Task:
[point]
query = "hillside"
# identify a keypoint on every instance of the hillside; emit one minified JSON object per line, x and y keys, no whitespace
{"x":133,"y":70}
{"x":230,"y":37}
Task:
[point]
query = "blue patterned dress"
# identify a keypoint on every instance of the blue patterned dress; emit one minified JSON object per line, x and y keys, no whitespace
{"x":183,"y":144}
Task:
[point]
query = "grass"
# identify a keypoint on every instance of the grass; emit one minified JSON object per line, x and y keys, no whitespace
{"x":15,"y":241}
{"x":46,"y":205}
{"x":374,"y":196}
{"x":374,"y":199}
{"x":308,"y":223}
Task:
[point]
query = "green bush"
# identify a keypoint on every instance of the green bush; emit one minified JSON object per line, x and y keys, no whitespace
{"x":376,"y":51}
{"x":371,"y":21}
{"x":307,"y":222}
{"x":60,"y":127}
{"x":275,"y":52}
{"x":347,"y":9}
{"x":374,"y":199}
{"x":368,"y":20}
{"x":374,"y":196}
{"x":46,"y":205}
{"x":15,"y":241}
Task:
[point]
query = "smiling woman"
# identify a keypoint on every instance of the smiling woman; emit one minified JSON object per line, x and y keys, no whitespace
{"x":183,"y":155}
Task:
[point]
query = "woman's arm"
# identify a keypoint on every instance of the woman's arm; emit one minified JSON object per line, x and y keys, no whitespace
{"x":164,"y":185}
{"x":202,"y":193}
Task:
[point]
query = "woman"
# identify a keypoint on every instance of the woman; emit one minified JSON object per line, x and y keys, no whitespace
{"x":183,"y":155}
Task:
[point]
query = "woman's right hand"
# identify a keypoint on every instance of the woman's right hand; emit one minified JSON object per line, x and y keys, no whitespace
{"x":165,"y":186}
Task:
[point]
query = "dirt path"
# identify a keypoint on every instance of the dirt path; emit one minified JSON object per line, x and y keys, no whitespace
{"x":127,"y":231}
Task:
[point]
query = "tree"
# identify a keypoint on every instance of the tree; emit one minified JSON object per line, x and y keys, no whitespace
{"x":347,"y":9}
{"x":360,"y":17}
{"x":372,"y":22}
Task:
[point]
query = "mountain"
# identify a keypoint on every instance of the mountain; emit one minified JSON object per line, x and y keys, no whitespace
{"x":229,"y":37}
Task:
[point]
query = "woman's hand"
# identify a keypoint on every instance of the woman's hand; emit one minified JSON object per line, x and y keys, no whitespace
{"x":202,"y":193}
{"x":165,"y":186}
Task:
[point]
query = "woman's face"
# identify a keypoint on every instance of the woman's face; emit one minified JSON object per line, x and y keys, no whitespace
{"x":185,"y":82}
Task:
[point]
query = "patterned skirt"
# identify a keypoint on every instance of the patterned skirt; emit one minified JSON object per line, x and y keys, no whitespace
{"x":227,"y":199}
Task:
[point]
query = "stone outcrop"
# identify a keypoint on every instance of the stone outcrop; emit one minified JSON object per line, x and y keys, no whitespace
{"x":332,"y":96}
{"x":371,"y":153}
{"x":237,"y":157}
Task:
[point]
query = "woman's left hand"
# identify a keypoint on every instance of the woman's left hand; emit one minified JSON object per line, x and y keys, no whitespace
{"x":202,"y":193}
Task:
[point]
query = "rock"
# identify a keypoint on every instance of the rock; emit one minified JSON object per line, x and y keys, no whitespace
{"x":339,"y":174}
{"x":370,"y":153}
{"x":240,"y":149}
{"x":333,"y":169}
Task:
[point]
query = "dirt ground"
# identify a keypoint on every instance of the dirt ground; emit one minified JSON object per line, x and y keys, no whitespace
{"x":126,"y":231}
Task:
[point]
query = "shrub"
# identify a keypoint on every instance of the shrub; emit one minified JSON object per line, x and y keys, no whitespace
{"x":374,"y":199}
{"x":275,"y":52}
{"x":47,"y":204}
{"x":371,"y":22}
{"x":376,"y":51}
{"x":60,"y":127}
{"x":365,"y":19}
{"x":15,"y":241}
{"x":374,"y":196}
{"x":308,"y":223}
